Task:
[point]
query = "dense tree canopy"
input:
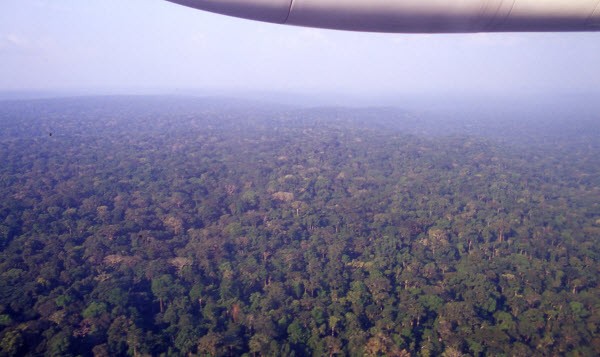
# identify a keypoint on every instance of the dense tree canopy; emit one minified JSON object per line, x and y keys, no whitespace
{"x":179,"y":226}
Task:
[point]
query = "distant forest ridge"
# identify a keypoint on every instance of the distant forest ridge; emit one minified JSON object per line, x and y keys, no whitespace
{"x":505,"y":118}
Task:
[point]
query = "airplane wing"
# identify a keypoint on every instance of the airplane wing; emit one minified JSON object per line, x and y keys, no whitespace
{"x":416,"y":16}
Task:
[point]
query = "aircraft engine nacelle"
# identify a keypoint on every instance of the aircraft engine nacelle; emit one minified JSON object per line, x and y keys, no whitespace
{"x":416,"y":16}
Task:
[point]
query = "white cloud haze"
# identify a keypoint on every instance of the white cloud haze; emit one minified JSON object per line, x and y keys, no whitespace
{"x":68,"y":44}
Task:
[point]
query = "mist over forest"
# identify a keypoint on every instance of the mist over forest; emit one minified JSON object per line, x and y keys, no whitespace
{"x":213,"y":226}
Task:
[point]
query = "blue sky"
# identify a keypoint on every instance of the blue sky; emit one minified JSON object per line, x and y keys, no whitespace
{"x":138,"y":45}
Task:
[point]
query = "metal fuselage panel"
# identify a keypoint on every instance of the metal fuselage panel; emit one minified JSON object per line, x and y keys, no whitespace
{"x":275,"y":11}
{"x":417,"y":16}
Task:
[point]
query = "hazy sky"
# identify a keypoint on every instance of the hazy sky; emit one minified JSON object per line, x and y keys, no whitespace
{"x":154,"y":44}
